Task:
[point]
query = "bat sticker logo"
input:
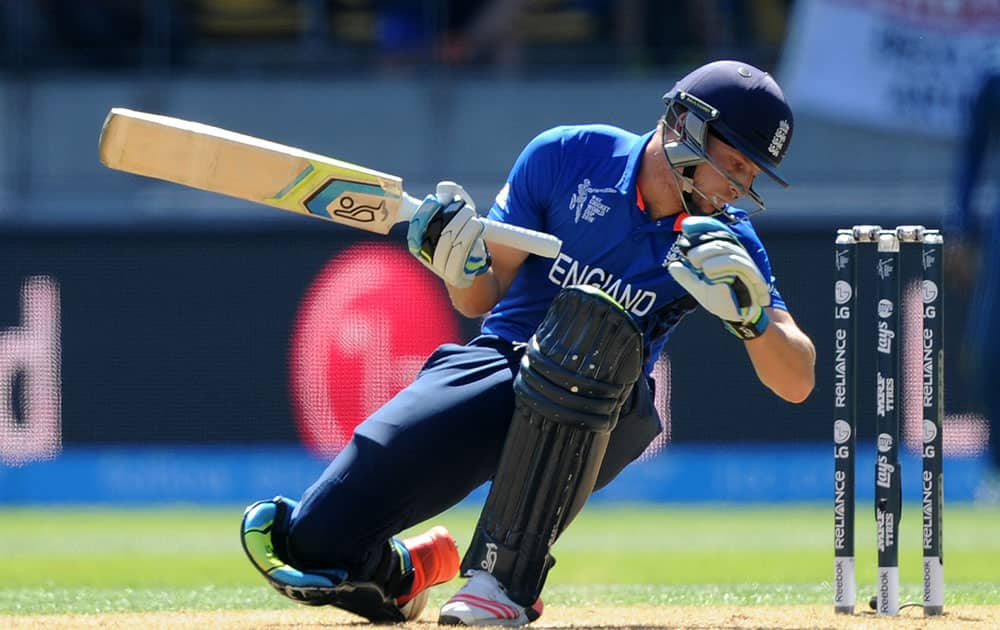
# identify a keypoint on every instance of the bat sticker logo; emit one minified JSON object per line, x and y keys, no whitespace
{"x":352,"y":211}
{"x":349,"y":201}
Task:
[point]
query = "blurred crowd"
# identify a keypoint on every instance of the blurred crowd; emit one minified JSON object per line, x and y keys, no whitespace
{"x":510,"y":34}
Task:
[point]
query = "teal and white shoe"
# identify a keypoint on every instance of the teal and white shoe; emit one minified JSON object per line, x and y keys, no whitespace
{"x":262,"y":534}
{"x":262,"y":523}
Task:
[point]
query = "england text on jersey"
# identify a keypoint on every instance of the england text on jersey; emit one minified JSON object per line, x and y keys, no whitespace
{"x":566,"y":271}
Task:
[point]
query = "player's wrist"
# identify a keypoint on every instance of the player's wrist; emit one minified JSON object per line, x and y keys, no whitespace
{"x":750,"y":329}
{"x":476,"y":299}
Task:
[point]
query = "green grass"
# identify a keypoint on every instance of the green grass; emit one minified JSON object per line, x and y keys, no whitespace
{"x":99,"y":560}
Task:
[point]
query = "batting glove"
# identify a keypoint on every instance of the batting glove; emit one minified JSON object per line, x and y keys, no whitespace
{"x":445,"y":234}
{"x":715,"y":268}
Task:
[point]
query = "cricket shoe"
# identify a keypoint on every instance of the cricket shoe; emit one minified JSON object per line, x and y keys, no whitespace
{"x":424,"y":561}
{"x":484,"y":602}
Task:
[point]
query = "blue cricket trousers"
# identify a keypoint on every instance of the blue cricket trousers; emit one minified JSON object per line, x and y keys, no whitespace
{"x":425,"y":450}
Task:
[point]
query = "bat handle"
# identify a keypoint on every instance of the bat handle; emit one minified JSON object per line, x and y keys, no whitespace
{"x":531,"y":241}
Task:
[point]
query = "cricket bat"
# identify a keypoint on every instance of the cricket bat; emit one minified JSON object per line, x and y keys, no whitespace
{"x":213,"y":159}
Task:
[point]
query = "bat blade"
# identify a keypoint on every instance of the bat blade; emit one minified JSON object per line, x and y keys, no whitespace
{"x":222,"y":161}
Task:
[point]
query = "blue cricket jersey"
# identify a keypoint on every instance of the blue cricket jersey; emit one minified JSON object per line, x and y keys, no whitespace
{"x":579,"y":183}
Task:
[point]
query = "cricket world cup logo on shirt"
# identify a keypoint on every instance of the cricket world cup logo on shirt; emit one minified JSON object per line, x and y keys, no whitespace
{"x":586,"y":205}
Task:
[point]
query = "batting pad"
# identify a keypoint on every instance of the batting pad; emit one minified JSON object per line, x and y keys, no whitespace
{"x":576,"y":374}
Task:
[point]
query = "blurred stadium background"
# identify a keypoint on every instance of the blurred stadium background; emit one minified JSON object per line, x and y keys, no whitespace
{"x":160,"y":346}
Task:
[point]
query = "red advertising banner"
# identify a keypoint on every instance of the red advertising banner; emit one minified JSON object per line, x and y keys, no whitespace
{"x":363,"y":330}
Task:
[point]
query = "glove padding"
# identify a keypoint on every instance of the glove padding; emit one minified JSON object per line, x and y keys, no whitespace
{"x":715,"y":268}
{"x":445,"y":234}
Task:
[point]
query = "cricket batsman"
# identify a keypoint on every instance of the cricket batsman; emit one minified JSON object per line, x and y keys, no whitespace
{"x":554,"y":397}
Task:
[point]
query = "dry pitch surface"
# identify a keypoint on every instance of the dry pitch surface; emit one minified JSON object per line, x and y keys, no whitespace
{"x":631,"y":618}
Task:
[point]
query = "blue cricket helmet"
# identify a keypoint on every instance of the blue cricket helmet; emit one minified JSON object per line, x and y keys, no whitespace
{"x":740,"y":103}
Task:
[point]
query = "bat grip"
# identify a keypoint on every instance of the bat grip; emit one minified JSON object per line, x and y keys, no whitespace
{"x":530,"y":241}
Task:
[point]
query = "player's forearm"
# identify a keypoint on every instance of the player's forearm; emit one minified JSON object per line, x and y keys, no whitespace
{"x":785,"y":360}
{"x":477,"y":299}
{"x":487,"y":289}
